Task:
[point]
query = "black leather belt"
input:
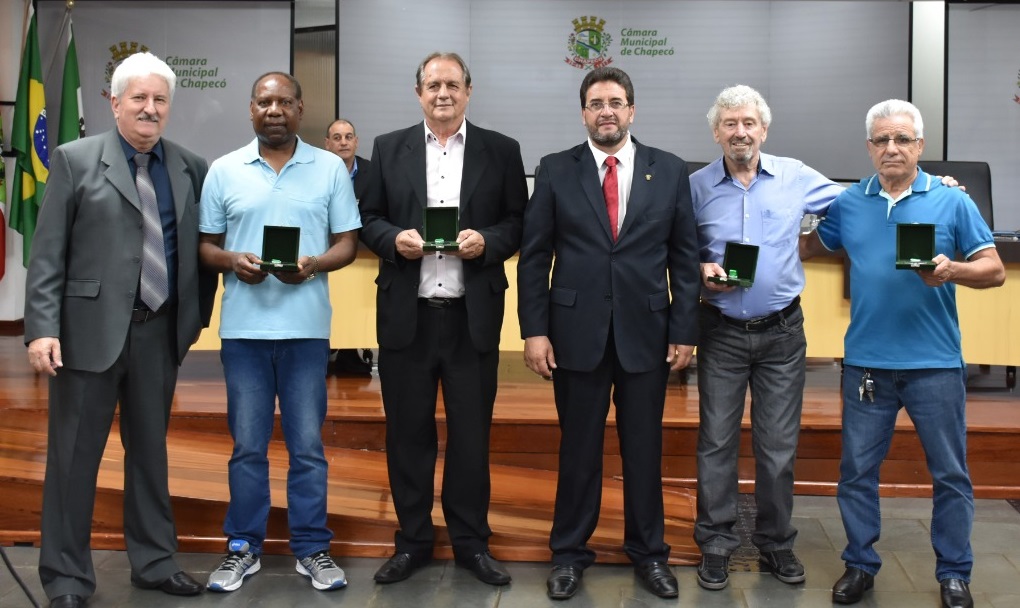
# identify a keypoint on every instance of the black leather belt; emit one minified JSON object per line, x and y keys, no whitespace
{"x":761,"y":323}
{"x":441,"y":302}
{"x":142,"y":315}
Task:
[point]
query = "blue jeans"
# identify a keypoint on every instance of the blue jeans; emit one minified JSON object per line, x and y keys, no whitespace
{"x":257,"y":372}
{"x":772,"y":364}
{"x":935,"y":400}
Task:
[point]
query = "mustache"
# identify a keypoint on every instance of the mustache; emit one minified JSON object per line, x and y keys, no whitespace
{"x":146,"y":117}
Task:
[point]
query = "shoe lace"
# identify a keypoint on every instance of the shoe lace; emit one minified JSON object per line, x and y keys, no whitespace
{"x":321,"y":561}
{"x":715,"y":561}
{"x":233,"y":563}
{"x":784,"y":557}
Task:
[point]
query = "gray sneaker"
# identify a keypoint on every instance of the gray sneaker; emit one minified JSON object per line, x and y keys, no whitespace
{"x":239,"y":564}
{"x":323,"y":571}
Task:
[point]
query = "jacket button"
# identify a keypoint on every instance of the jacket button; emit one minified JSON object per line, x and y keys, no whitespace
{"x":608,"y":297}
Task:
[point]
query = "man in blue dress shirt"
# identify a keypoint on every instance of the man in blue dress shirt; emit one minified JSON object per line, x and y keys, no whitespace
{"x":750,"y":336}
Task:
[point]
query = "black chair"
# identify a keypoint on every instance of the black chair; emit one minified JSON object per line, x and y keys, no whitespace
{"x":694,"y":165}
{"x":974,"y":175}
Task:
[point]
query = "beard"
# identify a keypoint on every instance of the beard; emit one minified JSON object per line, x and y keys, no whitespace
{"x":744,"y":156}
{"x":607,"y":139}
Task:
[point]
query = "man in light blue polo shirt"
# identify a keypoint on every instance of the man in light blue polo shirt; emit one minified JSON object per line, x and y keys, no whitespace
{"x":275,"y":325}
{"x":902,"y":348}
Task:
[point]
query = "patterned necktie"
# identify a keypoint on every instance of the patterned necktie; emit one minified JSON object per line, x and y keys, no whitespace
{"x":611,"y":191}
{"x":154,"y":285}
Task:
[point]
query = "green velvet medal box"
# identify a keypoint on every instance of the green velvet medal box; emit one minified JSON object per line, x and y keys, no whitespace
{"x":739,"y":261}
{"x":280,"y":248}
{"x":441,"y":228}
{"x":915,"y":246}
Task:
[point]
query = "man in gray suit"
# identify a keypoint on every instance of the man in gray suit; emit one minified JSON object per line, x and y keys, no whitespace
{"x":107,"y":332}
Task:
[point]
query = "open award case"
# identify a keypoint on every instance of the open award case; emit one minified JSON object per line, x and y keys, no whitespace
{"x":915,"y":246}
{"x":441,"y":228}
{"x":739,"y":262}
{"x":280,"y":248}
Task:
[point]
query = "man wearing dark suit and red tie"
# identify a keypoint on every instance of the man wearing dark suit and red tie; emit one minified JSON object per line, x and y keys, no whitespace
{"x":620,"y":313}
{"x":113,"y":302}
{"x":439,"y":313}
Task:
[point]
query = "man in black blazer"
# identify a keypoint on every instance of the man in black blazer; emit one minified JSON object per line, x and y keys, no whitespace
{"x":610,"y":323}
{"x":342,"y":140}
{"x":88,"y":326}
{"x":439,"y":313}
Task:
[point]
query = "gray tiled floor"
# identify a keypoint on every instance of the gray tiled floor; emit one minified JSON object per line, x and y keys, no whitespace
{"x":906,"y":580}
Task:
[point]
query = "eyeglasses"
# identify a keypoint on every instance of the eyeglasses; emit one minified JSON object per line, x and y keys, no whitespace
{"x":598,"y":105}
{"x":900,"y":141}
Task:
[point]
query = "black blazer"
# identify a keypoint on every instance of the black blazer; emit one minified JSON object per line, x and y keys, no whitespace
{"x":598,"y":283}
{"x":361,"y":179}
{"x":493,"y":194}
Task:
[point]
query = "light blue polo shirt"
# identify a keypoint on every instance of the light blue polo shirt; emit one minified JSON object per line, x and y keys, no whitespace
{"x":241,"y":195}
{"x":896,"y":321}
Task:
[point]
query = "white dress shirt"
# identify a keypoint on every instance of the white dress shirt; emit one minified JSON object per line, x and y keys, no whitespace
{"x":442,"y":275}
{"x":624,"y":173}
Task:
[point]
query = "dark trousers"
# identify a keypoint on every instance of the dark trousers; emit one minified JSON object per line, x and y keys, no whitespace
{"x":582,"y":403}
{"x":440,"y":354}
{"x":81,"y":411}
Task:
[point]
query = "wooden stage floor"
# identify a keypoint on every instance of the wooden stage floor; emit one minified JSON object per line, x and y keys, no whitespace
{"x":523,"y":454}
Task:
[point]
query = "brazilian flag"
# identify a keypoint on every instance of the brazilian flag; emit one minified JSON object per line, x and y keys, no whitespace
{"x":28,"y":140}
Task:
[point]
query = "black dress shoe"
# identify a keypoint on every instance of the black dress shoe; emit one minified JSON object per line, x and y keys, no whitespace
{"x":180,"y":583}
{"x":659,"y":579}
{"x":399,"y":566}
{"x":67,"y":601}
{"x":486,"y":568}
{"x":955,"y":594}
{"x":563,"y":582}
{"x":850,"y":587}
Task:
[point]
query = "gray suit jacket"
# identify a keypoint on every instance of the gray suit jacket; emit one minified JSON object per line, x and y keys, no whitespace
{"x":86,"y":254}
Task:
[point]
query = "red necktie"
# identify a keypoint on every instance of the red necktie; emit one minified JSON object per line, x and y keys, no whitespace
{"x":611,"y":191}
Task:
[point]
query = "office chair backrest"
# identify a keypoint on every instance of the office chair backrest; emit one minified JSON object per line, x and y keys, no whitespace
{"x":975,"y":175}
{"x":693,"y":165}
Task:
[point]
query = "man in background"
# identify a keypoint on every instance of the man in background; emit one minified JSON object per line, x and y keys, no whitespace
{"x":132,"y":187}
{"x":342,"y":140}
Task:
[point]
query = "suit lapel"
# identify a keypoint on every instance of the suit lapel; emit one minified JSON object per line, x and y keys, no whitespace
{"x":588,"y":178}
{"x":474,"y":166}
{"x":180,"y":184}
{"x":640,"y":186}
{"x":412,"y":159}
{"x":117,"y":171}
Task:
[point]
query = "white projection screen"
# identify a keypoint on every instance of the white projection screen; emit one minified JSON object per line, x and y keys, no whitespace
{"x":983,"y":97}
{"x":216,"y":48}
{"x":820,"y":64}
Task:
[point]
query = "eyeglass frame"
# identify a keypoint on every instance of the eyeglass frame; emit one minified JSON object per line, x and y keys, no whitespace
{"x":597,"y":105}
{"x":901,"y":141}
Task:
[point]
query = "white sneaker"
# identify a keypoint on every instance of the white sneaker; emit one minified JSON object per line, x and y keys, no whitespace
{"x":239,"y":564}
{"x":323,"y":571}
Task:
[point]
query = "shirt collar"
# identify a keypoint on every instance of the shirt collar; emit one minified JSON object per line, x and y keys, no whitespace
{"x":129,"y":150}
{"x":354,"y":168}
{"x":461,"y":132}
{"x":922,"y":183}
{"x":302,"y":152}
{"x":625,"y":155}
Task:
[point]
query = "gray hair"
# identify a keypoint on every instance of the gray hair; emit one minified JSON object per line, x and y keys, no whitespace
{"x":419,"y":74}
{"x":342,"y":121}
{"x":141,"y":65}
{"x":739,"y":96}
{"x":894,"y":107}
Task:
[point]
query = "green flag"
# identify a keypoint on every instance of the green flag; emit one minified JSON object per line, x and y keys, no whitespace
{"x":3,"y":199}
{"x":28,"y":140}
{"x":72,"y":120}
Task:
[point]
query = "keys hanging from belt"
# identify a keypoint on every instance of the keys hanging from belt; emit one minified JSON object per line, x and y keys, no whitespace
{"x":867,"y":387}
